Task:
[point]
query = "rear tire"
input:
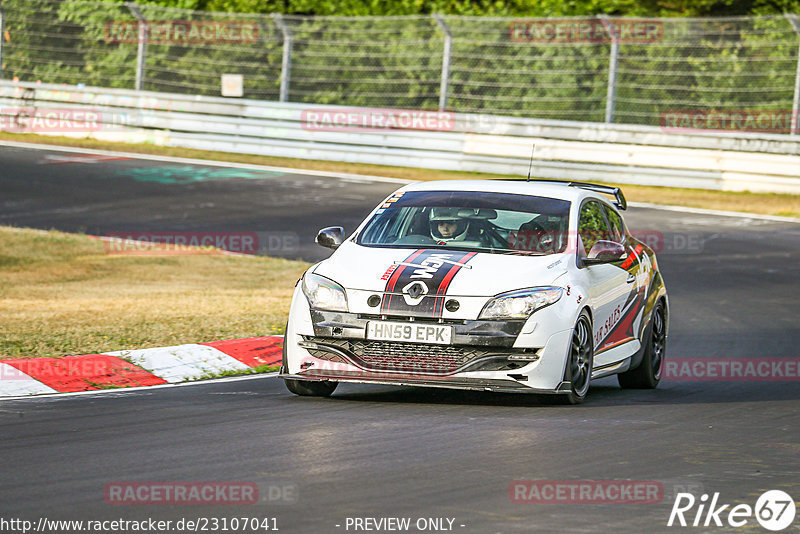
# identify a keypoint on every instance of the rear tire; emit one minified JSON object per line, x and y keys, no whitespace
{"x":310,"y":388}
{"x":648,"y":374}
{"x":580,"y":361}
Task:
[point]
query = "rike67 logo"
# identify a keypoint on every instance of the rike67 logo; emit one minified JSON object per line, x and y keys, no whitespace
{"x":774,"y":510}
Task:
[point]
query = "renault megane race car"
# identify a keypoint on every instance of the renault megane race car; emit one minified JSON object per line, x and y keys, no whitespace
{"x":523,"y":286}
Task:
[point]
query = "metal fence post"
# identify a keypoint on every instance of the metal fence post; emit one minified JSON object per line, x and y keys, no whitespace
{"x":611,"y":93}
{"x":794,"y":130}
{"x":2,"y":37}
{"x":444,"y":87}
{"x":141,"y":48}
{"x":286,"y":62}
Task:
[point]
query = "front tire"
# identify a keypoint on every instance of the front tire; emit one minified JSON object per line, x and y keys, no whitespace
{"x":580,"y":361}
{"x":648,"y":374}
{"x":304,"y":388}
{"x":310,"y":388}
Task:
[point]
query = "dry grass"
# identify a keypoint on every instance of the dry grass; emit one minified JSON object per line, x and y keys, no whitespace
{"x":784,"y":205}
{"x":61,"y":294}
{"x":768,"y":204}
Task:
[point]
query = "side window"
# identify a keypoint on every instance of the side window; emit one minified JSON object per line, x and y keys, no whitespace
{"x":617,"y":226}
{"x":592,"y":225}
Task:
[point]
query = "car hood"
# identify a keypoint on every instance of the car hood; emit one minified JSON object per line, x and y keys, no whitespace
{"x":451,"y":272}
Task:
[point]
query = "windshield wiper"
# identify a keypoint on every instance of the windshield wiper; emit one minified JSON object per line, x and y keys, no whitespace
{"x":493,"y":250}
{"x":435,"y":246}
{"x":523,"y":252}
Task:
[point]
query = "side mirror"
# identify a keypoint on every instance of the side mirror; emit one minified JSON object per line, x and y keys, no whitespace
{"x":330,"y":237}
{"x":604,"y":252}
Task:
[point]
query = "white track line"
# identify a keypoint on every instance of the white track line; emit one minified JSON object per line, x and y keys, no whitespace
{"x":702,"y":211}
{"x":143,"y":389}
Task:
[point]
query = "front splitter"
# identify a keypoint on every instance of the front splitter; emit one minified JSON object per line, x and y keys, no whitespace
{"x":476,"y":384}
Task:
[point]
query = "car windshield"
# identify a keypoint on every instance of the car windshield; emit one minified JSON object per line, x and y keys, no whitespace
{"x":501,"y":223}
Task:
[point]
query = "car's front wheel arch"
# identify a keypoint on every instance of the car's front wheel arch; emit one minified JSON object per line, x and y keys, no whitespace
{"x":580,"y":359}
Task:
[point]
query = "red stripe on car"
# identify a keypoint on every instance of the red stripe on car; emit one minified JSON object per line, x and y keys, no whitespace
{"x":387,"y":299}
{"x":438,"y":307}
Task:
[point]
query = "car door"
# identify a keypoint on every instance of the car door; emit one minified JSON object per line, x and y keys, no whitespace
{"x":607,"y":284}
{"x":639,"y":268}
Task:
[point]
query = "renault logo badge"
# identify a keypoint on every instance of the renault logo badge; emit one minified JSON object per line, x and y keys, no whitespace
{"x":414,"y":292}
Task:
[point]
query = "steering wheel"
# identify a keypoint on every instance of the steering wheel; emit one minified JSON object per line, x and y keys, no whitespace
{"x":533,"y":225}
{"x":415,"y":239}
{"x":546,"y":242}
{"x":493,"y":237}
{"x":544,"y":239}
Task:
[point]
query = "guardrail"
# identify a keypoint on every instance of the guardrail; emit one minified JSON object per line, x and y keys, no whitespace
{"x":465,"y":142}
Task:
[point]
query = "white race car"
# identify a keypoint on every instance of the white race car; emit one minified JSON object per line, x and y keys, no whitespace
{"x":496,"y":285}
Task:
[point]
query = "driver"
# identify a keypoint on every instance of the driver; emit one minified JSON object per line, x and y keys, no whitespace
{"x":447,"y":226}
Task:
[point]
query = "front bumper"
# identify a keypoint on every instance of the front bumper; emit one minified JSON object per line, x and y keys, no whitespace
{"x":477,"y":346}
{"x":483,"y":356}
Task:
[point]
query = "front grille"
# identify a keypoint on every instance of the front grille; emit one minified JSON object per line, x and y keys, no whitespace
{"x":414,"y":357}
{"x":409,"y":319}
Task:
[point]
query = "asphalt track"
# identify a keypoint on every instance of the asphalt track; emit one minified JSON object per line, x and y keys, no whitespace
{"x":375,"y":451}
{"x":79,"y":193}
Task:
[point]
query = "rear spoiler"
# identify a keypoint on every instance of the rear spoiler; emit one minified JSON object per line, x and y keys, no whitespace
{"x":616,"y":192}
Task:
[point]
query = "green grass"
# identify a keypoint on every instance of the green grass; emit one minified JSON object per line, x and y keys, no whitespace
{"x":61,"y":294}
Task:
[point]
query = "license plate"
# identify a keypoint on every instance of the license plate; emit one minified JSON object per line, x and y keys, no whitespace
{"x":410,"y":332}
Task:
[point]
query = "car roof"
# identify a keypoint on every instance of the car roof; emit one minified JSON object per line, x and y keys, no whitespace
{"x":557,"y":190}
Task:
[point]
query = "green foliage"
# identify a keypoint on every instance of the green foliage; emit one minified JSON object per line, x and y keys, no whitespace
{"x":592,"y":225}
{"x":494,"y":71}
{"x":366,"y":62}
{"x":706,"y":64}
{"x":512,"y":8}
{"x":104,"y":63}
{"x":36,"y":42}
{"x":711,"y":64}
